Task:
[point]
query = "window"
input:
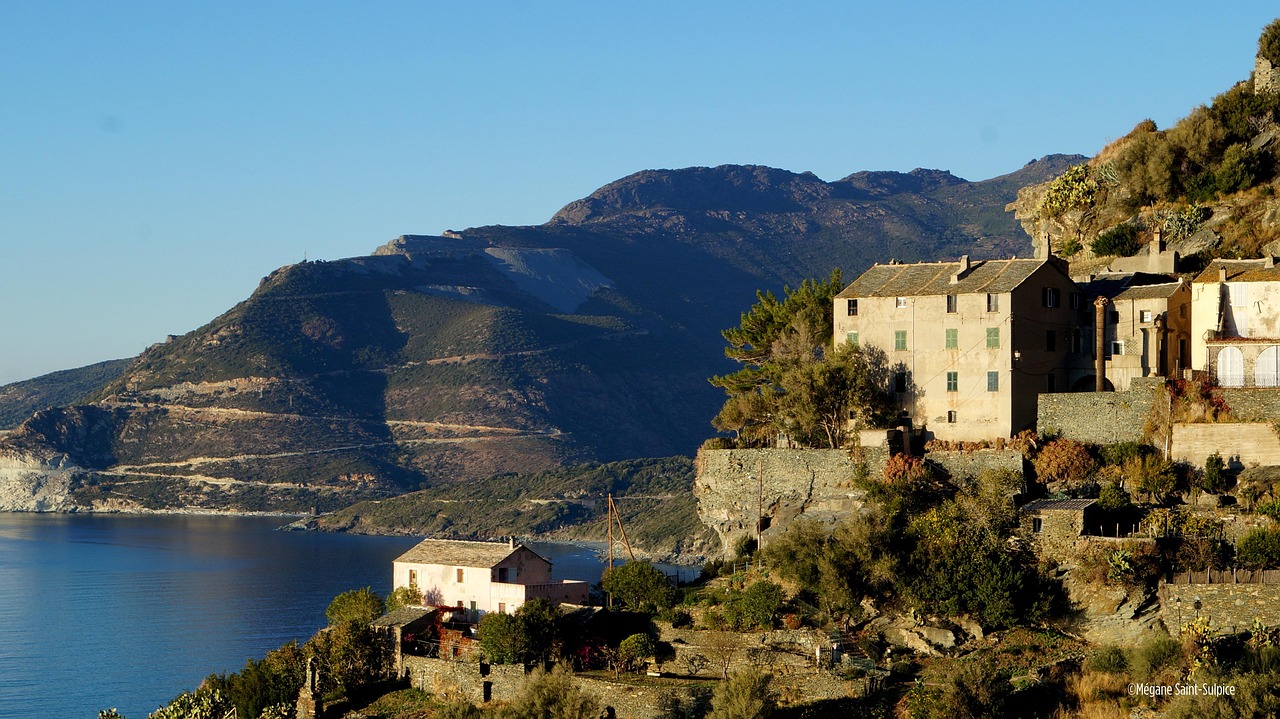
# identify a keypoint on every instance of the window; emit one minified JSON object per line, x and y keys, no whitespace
{"x":1144,"y":316}
{"x":902,"y":302}
{"x":1051,"y":383}
{"x":1037,"y":525}
{"x":899,"y":340}
{"x":502,"y":607}
{"x":1113,"y":317}
{"x":459,"y":575}
{"x":952,"y":304}
{"x":993,"y":303}
{"x":953,"y":381}
{"x":953,"y":339}
{"x":1182,"y":311}
{"x":851,"y":338}
{"x":459,"y":604}
{"x":1050,"y":341}
{"x":951,"y":416}
{"x":993,"y":381}
{"x":502,"y":574}
{"x":1077,"y":340}
{"x":993,"y":338}
{"x":1117,"y":347}
{"x":900,"y":382}
{"x":852,"y":308}
{"x":1050,"y":297}
{"x":413,"y":577}
{"x":1076,"y":301}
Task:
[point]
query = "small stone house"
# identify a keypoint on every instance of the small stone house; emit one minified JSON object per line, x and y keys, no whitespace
{"x":1056,"y":524}
{"x":482,"y":577}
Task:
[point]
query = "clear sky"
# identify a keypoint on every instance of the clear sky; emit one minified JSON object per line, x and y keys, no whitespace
{"x":157,"y":159}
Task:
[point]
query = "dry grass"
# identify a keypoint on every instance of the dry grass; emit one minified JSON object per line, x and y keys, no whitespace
{"x":1097,"y":696}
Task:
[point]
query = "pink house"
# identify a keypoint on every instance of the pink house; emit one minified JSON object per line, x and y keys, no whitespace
{"x":482,"y":576}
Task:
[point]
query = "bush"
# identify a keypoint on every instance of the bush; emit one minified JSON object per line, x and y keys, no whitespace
{"x":1115,"y":455}
{"x":1064,"y":460}
{"x":1269,"y":42}
{"x":755,"y":607}
{"x":351,"y":656}
{"x":633,"y":650}
{"x":1070,"y":247}
{"x":1152,"y":476}
{"x":1260,"y":549}
{"x":551,"y":695}
{"x":403,"y":597}
{"x":1108,"y":659}
{"x":1213,"y":480}
{"x":532,"y":633}
{"x":1159,"y":652}
{"x":640,"y":586}
{"x":744,"y":695}
{"x":1121,"y":240}
{"x":691,"y":703}
{"x":906,"y":469}
{"x":1113,"y":498}
{"x":356,"y":605}
{"x":1241,"y":168}
{"x":1070,"y":190}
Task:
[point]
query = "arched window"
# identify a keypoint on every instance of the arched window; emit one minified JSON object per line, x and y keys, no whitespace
{"x":1231,"y":367}
{"x":1266,"y":373}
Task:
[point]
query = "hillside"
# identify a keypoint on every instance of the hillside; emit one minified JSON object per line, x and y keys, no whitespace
{"x":19,"y":400}
{"x":491,"y":350}
{"x":1208,"y":183}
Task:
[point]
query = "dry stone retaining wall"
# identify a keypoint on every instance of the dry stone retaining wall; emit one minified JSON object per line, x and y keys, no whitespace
{"x":1252,"y":404}
{"x":1228,"y":606}
{"x":1245,"y":443}
{"x":1100,"y":417}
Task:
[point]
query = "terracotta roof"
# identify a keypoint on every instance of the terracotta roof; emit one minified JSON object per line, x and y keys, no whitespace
{"x":934,"y":278}
{"x":1071,"y":505}
{"x":457,"y":553}
{"x":1241,"y":271}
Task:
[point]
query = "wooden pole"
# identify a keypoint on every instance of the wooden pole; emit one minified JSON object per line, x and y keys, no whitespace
{"x":610,"y":508}
{"x":613,"y":512}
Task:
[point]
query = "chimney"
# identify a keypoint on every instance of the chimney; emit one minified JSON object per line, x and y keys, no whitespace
{"x":1157,"y":242}
{"x":1271,"y":262}
{"x":961,"y":271}
{"x":1222,"y":273}
{"x":511,"y":542}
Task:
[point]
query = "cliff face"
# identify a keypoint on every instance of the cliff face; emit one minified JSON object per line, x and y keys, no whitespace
{"x":441,"y":359}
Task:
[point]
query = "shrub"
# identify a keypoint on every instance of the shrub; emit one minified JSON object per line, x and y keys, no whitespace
{"x":1160,"y":651}
{"x":1121,"y":240}
{"x":1108,"y":659}
{"x":640,"y":586}
{"x":351,"y":655}
{"x":529,"y":634}
{"x":905,"y":469}
{"x":1120,"y":452}
{"x":356,"y":605}
{"x":1213,"y":480}
{"x":691,"y":703}
{"x":403,"y":597}
{"x":1152,"y":476}
{"x":1269,"y":42}
{"x":633,"y":650}
{"x":744,"y":695}
{"x":1241,"y":168}
{"x":1113,"y":498}
{"x":1260,"y":549}
{"x":1070,"y":247}
{"x":755,"y":607}
{"x":1064,"y":460}
{"x":551,"y":695}
{"x":1070,"y":190}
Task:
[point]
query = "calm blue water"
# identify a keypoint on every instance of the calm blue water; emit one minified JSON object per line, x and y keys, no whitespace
{"x":129,"y":611}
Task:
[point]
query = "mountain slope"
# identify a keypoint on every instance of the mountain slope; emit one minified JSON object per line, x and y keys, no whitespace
{"x":497,"y":349}
{"x":19,"y":400}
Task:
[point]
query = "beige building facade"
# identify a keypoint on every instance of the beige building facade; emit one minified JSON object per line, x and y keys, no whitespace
{"x":1148,"y":327}
{"x":1235,"y":312}
{"x":972,"y":343}
{"x":482,"y":577}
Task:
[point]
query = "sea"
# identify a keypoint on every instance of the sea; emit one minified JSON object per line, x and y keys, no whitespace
{"x":128,"y":611}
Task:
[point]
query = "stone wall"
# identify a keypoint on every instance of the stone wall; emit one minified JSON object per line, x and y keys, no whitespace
{"x":818,"y":483}
{"x":1241,"y":444}
{"x":465,"y":678}
{"x":1228,"y":606}
{"x":1252,"y":404}
{"x":1100,"y":417}
{"x":1265,"y":77}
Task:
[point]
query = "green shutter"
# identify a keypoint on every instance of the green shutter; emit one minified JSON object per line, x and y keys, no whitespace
{"x":899,"y":340}
{"x":993,"y":338}
{"x":953,"y":339}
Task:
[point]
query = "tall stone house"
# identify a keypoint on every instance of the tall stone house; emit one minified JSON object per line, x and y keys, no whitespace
{"x":1235,"y":310}
{"x":1147,"y":327}
{"x":972,"y":343}
{"x":482,"y":577}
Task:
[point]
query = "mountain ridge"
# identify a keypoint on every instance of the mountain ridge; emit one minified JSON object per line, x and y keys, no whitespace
{"x":438,"y":359}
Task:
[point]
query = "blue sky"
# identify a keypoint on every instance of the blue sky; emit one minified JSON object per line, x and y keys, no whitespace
{"x":157,"y":159}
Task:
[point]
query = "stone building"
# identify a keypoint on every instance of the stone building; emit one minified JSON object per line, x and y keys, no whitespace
{"x":1147,"y":330}
{"x":1057,"y":524}
{"x":482,"y":577}
{"x":973,"y":343}
{"x":1235,"y":310}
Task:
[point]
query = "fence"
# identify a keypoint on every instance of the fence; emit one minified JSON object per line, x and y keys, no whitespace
{"x":1228,"y":576}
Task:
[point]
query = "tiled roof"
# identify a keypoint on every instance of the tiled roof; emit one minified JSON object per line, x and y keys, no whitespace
{"x":1073,"y":505}
{"x":1240,"y":271}
{"x":456,"y":553}
{"x":402,"y":616}
{"x":934,"y":278}
{"x":1150,"y":292}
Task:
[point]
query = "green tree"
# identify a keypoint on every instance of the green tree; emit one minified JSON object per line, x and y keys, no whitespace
{"x":744,"y":695}
{"x":551,"y":695}
{"x":1260,"y":548}
{"x":531,"y":634}
{"x":502,"y":638}
{"x":351,"y":655}
{"x":404,"y":597}
{"x":755,"y":607}
{"x":1269,"y":42}
{"x":1152,"y":476}
{"x":1113,"y":498}
{"x":1213,"y":481}
{"x":639,"y":585}
{"x":356,"y":605}
{"x":634,"y":650}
